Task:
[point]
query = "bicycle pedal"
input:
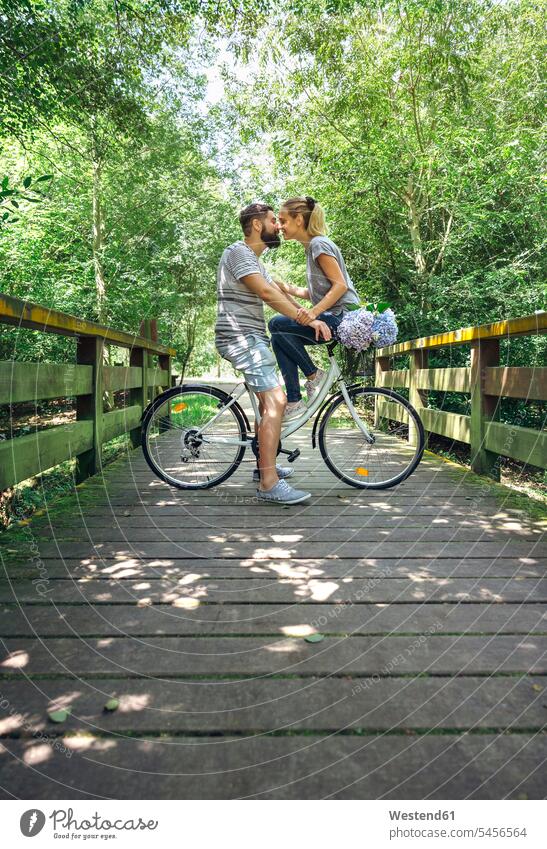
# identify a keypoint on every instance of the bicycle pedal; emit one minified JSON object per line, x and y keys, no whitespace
{"x":294,"y":455}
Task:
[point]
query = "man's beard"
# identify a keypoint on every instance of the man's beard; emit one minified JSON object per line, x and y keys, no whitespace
{"x":271,"y":240}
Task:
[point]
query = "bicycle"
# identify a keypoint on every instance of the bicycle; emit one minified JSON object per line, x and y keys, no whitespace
{"x":194,"y":436}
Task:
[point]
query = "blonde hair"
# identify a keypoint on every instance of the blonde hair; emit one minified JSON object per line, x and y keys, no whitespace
{"x":312,"y":212}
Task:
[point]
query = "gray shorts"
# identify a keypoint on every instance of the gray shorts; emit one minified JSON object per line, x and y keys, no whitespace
{"x":253,"y":356}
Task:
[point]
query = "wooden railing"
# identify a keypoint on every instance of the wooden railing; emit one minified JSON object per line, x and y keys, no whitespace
{"x":484,"y":380}
{"x":87,"y":379}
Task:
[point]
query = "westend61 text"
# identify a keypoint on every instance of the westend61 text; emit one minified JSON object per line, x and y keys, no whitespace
{"x":421,"y":815}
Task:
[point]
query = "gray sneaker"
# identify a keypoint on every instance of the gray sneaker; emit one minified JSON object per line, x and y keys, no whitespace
{"x":282,"y":473}
{"x":292,"y":411}
{"x":283,"y":493}
{"x":313,"y":386}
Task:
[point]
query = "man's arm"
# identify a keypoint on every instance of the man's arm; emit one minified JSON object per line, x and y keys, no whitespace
{"x":278,"y":301}
{"x":284,"y":288}
{"x":294,"y":291}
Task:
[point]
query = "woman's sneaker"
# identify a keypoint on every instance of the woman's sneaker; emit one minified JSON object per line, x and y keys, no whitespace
{"x":282,"y":473}
{"x":283,"y":493}
{"x":313,"y":386}
{"x":293,"y":410}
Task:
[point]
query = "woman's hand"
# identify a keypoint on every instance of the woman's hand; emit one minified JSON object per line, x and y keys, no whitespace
{"x":305,"y":316}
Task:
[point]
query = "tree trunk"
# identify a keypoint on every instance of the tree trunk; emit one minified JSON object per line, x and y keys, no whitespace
{"x":414,"y":215}
{"x":98,"y":239}
{"x":98,"y":248}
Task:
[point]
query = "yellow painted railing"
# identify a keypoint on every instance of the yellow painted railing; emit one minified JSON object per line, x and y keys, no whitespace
{"x":484,"y":380}
{"x":87,"y":380}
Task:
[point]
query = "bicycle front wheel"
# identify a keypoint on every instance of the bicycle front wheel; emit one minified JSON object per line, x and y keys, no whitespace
{"x":189,"y":440}
{"x":396,"y":430}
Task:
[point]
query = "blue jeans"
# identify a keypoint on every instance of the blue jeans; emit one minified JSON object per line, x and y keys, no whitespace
{"x":289,"y":340}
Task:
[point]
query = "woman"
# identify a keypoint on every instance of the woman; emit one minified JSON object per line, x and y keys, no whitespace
{"x":329,"y":289}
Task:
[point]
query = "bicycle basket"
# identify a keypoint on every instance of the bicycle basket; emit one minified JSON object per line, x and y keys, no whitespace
{"x":355,"y":365}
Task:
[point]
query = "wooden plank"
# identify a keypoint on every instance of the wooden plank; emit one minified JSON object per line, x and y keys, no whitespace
{"x":444,"y":379}
{"x":284,"y":550}
{"x":392,"y":379}
{"x":21,"y":381}
{"x":183,"y":656}
{"x":477,"y":767}
{"x":27,"y":314}
{"x":120,"y":421}
{"x":121,"y":377}
{"x":353,"y":520}
{"x":279,"y":705}
{"x":359,"y":567}
{"x":298,"y":620}
{"x":159,"y":377}
{"x":390,"y":410}
{"x":198,"y":588}
{"x":530,"y":324}
{"x":516,"y":382}
{"x":333,"y":534}
{"x":26,"y":456}
{"x":452,"y":425}
{"x":484,"y":408}
{"x":520,"y":443}
{"x":464,"y":766}
{"x":170,"y":512}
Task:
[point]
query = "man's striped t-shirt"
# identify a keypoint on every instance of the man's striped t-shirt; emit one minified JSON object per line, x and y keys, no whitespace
{"x":240,"y":313}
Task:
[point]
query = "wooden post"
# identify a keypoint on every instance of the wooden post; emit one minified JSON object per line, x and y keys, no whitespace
{"x":148,"y":329}
{"x":90,"y":352}
{"x":418,"y":397}
{"x":165,"y":363}
{"x":484,"y":408}
{"x":139,"y":395}
{"x":380,"y":364}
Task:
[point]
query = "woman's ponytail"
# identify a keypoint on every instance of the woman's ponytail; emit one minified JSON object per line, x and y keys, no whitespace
{"x":317,"y":225}
{"x":311,"y":211}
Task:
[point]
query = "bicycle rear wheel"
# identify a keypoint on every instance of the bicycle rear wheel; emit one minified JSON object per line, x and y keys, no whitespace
{"x":390,"y":420}
{"x":177,"y":430}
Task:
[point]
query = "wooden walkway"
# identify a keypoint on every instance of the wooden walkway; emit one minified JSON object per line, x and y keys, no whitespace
{"x":193,"y":611}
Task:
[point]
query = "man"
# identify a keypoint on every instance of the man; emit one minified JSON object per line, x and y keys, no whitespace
{"x":243,"y":287}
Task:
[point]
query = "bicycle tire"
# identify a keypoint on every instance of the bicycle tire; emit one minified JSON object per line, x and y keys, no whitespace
{"x":354,"y":393}
{"x":179,"y":391}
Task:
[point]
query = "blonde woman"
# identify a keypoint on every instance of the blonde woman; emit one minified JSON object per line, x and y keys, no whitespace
{"x":329,"y":289}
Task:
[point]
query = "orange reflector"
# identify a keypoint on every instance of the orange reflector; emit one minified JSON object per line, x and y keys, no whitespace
{"x":361,"y":471}
{"x":178,"y":408}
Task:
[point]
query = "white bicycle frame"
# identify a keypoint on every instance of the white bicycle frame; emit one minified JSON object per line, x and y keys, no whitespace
{"x":293,"y":425}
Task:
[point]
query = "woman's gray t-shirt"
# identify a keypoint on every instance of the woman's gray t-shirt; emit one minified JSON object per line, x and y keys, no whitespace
{"x":318,"y":284}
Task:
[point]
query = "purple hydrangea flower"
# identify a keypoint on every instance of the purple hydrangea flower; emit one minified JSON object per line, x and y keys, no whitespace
{"x":384,"y":329}
{"x":354,"y":331}
{"x":361,"y":328}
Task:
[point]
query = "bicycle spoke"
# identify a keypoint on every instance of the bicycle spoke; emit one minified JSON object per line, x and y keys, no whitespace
{"x":175,"y":448}
{"x":343,"y":446}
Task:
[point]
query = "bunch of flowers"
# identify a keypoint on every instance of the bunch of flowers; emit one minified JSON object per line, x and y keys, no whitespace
{"x":355,"y":329}
{"x":371,"y":325}
{"x":384,"y":329}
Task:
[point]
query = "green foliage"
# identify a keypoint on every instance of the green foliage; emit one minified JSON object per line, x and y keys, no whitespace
{"x":12,"y":197}
{"x":419,"y":128}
